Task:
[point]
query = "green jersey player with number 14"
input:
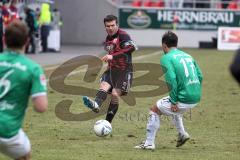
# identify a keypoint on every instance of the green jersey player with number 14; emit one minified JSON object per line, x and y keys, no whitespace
{"x":20,"y":78}
{"x":184,"y":79}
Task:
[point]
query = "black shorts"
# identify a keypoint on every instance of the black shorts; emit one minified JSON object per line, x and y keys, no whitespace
{"x":118,"y":79}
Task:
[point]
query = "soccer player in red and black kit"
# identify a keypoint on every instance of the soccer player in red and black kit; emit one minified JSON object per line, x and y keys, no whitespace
{"x":117,"y":79}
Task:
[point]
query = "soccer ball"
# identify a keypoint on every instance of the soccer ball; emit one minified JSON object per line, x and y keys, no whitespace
{"x":102,"y":128}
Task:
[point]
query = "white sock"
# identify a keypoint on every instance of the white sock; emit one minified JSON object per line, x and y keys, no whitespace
{"x":178,"y":122}
{"x":152,"y":127}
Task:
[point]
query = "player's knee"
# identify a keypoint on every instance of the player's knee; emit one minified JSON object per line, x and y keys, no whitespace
{"x":104,"y":86}
{"x":114,"y":94}
{"x":155,"y":109}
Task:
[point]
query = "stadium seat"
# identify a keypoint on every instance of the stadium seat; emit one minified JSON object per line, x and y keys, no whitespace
{"x":232,"y":5}
{"x":148,"y":3}
{"x":136,"y":3}
{"x":160,"y":3}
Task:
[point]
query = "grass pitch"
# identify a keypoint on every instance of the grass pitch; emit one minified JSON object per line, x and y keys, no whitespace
{"x":214,"y":125}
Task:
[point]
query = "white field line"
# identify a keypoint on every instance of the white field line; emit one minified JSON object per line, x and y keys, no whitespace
{"x":82,"y":70}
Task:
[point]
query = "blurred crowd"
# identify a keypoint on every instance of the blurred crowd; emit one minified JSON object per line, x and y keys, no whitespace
{"x":39,"y":18}
{"x":216,"y":4}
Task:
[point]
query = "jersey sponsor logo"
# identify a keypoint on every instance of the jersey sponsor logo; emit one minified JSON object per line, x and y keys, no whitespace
{"x":4,"y":105}
{"x":124,"y":85}
{"x":181,"y":56}
{"x":191,"y":81}
{"x":43,"y":80}
{"x":110,"y":47}
{"x":15,"y":65}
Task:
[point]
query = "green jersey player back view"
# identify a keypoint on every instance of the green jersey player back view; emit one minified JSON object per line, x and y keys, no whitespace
{"x":184,"y":78}
{"x":20,"y":78}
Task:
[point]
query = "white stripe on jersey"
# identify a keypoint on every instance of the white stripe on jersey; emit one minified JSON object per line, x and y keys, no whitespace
{"x":39,"y":94}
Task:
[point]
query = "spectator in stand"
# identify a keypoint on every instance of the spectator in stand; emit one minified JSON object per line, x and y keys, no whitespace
{"x":56,"y":19}
{"x":5,"y":13}
{"x":9,"y":12}
{"x":225,"y":3}
{"x":44,"y":21}
{"x":38,"y":11}
{"x":31,"y":21}
{"x":13,"y":10}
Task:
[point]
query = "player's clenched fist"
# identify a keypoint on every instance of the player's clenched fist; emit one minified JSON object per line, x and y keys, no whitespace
{"x":107,"y":58}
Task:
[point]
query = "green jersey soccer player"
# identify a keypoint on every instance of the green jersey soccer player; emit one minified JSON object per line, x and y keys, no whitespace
{"x":184,"y":79}
{"x":20,"y":78}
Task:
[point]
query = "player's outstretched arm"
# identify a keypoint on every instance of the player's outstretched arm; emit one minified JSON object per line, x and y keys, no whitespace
{"x":107,"y":57}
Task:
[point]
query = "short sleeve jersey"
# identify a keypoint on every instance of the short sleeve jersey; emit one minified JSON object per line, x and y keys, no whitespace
{"x":20,"y":78}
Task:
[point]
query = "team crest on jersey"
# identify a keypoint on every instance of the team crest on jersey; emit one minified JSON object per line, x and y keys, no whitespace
{"x":43,"y":80}
{"x":124,"y":85}
{"x":110,"y":47}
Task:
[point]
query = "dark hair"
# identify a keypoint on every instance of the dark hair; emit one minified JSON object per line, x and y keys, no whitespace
{"x":110,"y":18}
{"x":170,"y":39}
{"x":16,"y":34}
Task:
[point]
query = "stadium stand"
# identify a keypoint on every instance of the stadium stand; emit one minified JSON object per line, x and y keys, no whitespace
{"x":211,"y":4}
{"x":136,"y":3}
{"x":147,"y":3}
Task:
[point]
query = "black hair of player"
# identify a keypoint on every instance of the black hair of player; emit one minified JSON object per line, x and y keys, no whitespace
{"x":110,"y":18}
{"x":170,"y":39}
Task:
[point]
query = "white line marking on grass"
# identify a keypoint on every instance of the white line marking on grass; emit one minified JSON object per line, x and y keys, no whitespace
{"x":148,"y":55}
{"x":82,"y":70}
{"x":134,"y":58}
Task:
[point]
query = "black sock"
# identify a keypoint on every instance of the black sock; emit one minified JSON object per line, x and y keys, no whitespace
{"x":112,"y":110}
{"x":101,"y":96}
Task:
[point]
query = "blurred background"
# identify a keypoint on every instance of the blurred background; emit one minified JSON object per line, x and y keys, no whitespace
{"x":199,"y":23}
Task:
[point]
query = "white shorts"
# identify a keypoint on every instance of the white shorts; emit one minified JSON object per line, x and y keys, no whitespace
{"x":16,"y":146}
{"x":164,"y":105}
